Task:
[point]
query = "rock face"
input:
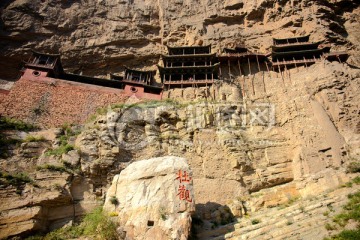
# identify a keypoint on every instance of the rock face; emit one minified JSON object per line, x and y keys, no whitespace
{"x":153,"y":199}
{"x":98,"y":37}
{"x":240,"y":163}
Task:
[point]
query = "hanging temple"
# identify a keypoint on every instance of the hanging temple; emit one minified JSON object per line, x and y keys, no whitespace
{"x":193,"y":66}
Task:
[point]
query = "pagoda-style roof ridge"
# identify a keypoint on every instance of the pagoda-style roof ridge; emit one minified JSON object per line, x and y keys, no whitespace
{"x":302,"y":51}
{"x":89,"y":77}
{"x":191,"y":67}
{"x":296,"y":37}
{"x":139,"y":71}
{"x":236,"y":48}
{"x":141,"y":84}
{"x":180,"y":47}
{"x":45,"y":54}
{"x":114,"y":76}
{"x":189,"y":55}
{"x":285,"y":45}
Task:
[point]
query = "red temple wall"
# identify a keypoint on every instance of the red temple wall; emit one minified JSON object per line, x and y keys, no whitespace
{"x":49,"y":102}
{"x":138,"y":91}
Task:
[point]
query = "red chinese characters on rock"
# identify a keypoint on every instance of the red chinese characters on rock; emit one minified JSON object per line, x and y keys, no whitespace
{"x":184,"y":179}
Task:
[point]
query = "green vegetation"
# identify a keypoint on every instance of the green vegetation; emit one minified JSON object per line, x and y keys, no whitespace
{"x":96,"y":224}
{"x":12,"y":124}
{"x":60,"y":150}
{"x":255,"y":221}
{"x":356,"y":180}
{"x":64,"y":147}
{"x":17,"y":180}
{"x":65,"y":167}
{"x":291,"y":201}
{"x":31,"y":138}
{"x":114,"y":200}
{"x":163,"y":213}
{"x":353,"y":167}
{"x":351,"y":212}
{"x":52,"y":168}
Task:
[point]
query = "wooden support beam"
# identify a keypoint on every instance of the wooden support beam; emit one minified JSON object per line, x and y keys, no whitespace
{"x":257,"y":60}
{"x":338,"y":58}
{"x":295,"y":64}
{"x":229,"y":69}
{"x":252,"y":84}
{"x":239,"y":67}
{"x":288,"y":71}
{"x":263,"y":78}
{"x":267,"y":67}
{"x":249,"y":66}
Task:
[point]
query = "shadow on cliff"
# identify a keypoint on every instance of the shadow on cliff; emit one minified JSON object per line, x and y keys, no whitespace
{"x":211,"y":220}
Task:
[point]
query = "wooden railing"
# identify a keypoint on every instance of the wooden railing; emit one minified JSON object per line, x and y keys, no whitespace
{"x":291,"y":44}
{"x":237,"y":55}
{"x":277,"y":63}
{"x":187,"y":82}
{"x":335,"y":53}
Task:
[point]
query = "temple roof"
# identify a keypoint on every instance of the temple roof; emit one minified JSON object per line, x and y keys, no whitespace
{"x":237,"y":49}
{"x":129,"y":82}
{"x":116,"y":77}
{"x":45,"y":54}
{"x":306,"y":37}
{"x":190,"y":55}
{"x":303,"y":52}
{"x":343,"y":56}
{"x":277,"y":41}
{"x":285,"y":47}
{"x":140,"y":71}
{"x":91,"y":80}
{"x":187,"y":47}
{"x":187,"y":68}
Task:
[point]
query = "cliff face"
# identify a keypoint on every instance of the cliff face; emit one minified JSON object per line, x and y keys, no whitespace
{"x":259,"y":141}
{"x":98,"y":37}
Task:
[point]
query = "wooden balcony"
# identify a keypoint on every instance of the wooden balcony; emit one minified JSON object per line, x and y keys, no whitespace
{"x":189,"y":82}
{"x":295,"y":62}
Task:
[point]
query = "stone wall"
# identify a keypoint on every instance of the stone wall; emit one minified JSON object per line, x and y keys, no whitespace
{"x":48,"y":102}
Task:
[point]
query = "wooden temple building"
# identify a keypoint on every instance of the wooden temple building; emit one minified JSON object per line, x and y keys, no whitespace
{"x":239,"y":61}
{"x":189,"y":66}
{"x":43,"y":66}
{"x":140,"y":83}
{"x":298,"y":51}
{"x":193,"y":66}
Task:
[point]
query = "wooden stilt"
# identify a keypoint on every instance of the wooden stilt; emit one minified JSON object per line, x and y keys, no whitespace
{"x":182,"y":80}
{"x":305,"y":62}
{"x":249,"y":65}
{"x":229,"y":69}
{"x":257,"y":60}
{"x":239,"y":67}
{"x":267,"y":67}
{"x":220,"y":72}
{"x":264,"y":81}
{"x":295,"y":65}
{"x":252,"y":84}
{"x":288,"y":72}
{"x":243,"y":83}
{"x":281,"y":73}
{"x":338,"y":58}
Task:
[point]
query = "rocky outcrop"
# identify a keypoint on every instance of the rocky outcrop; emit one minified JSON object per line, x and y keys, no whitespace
{"x":153,"y":199}
{"x":289,"y":136}
{"x":42,"y":191}
{"x":98,"y":37}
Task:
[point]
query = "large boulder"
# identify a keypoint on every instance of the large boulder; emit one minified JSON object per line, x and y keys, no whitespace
{"x":153,"y":199}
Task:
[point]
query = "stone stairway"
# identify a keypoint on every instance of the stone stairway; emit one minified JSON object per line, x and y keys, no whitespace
{"x":304,"y":219}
